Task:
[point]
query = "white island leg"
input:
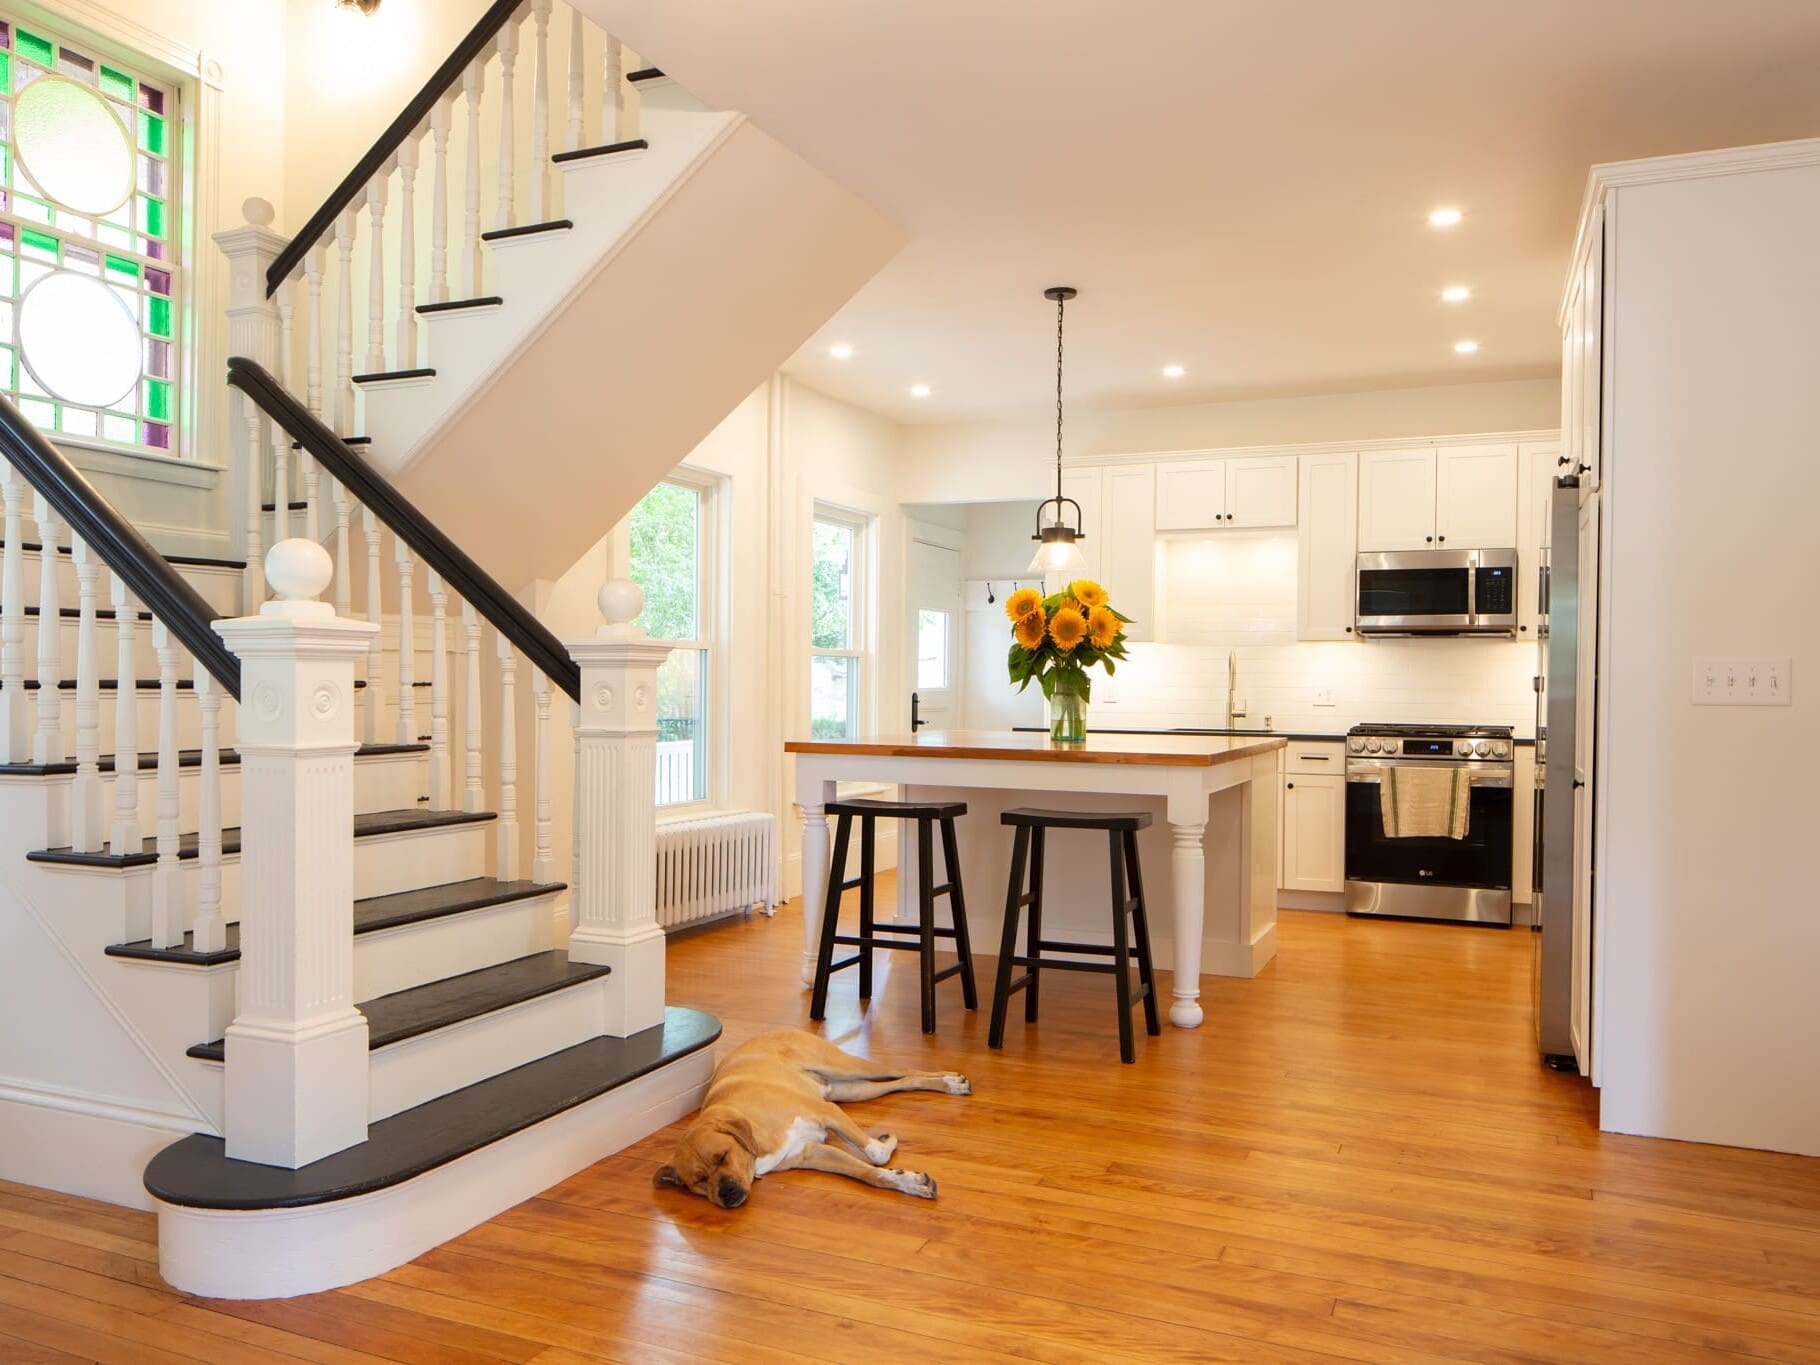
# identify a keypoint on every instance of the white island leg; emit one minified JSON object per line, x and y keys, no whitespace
{"x":1188,"y":863}
{"x":815,"y":881}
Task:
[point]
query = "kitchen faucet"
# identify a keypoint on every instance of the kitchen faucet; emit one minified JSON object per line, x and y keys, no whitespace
{"x":1232,"y":688}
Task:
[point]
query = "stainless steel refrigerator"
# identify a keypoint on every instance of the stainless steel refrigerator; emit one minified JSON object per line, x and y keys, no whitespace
{"x":1557,"y":643}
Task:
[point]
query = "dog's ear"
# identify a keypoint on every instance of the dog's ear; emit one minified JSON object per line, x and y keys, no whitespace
{"x":739,"y":1128}
{"x":666,"y":1175}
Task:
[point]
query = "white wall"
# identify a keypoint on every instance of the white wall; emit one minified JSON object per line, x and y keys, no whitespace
{"x":1709,"y":919}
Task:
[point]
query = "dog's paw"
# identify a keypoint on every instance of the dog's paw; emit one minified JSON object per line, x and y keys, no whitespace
{"x":880,"y":1149}
{"x":914,"y":1183}
{"x":957,"y":1084}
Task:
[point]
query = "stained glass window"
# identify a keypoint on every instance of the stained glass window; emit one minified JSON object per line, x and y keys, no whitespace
{"x":88,"y":256}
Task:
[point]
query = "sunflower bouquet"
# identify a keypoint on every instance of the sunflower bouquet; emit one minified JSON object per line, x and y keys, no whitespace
{"x":1056,"y":639}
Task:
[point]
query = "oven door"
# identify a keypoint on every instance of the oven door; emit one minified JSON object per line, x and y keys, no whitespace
{"x":1482,"y":860}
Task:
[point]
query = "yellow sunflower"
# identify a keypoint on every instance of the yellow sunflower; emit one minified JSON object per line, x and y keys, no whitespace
{"x":1030,"y":629}
{"x":1102,"y":627}
{"x":1067,"y":628}
{"x":1091,"y":594}
{"x":1022,"y":602}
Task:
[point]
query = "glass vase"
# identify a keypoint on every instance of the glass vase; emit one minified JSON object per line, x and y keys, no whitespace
{"x":1067,"y":718}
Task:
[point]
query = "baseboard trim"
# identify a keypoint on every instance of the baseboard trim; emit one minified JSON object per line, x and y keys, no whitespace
{"x":82,"y":1144}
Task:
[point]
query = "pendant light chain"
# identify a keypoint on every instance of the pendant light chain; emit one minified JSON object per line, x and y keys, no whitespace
{"x":1060,"y":305}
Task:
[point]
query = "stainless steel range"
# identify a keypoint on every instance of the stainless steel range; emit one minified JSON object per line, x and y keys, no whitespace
{"x":1430,"y":812}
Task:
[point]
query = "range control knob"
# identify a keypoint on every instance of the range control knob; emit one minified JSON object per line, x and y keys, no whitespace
{"x":1463,"y":748}
{"x":1372,"y":746}
{"x":1482,"y":748}
{"x":1356,"y":746}
{"x":1500,"y":750}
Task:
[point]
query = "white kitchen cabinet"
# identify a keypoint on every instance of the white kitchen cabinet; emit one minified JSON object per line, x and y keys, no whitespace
{"x":1085,"y":487}
{"x":1234,"y":494}
{"x":1127,"y":558}
{"x":1397,"y":499}
{"x":1582,"y":359}
{"x":1261,"y":491}
{"x":1190,"y":495}
{"x":1312,"y":818}
{"x":1476,"y":497}
{"x":1537,"y":465}
{"x":1327,"y":546}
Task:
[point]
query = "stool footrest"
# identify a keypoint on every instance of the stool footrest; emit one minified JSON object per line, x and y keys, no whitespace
{"x":854,"y":941}
{"x":1096,"y":949}
{"x":947,"y":972}
{"x":909,"y":929}
{"x":1054,"y":964}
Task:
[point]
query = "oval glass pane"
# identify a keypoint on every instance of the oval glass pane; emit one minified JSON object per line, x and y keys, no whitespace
{"x":79,"y":340}
{"x":71,"y":143}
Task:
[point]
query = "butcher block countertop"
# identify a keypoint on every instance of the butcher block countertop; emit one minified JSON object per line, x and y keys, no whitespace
{"x":1161,"y":751}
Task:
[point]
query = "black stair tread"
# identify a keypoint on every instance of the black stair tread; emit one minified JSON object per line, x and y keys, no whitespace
{"x":186,"y":758}
{"x":381,"y":376}
{"x":345,"y":440}
{"x":196,"y":561}
{"x":370,"y":915}
{"x":75,"y":613}
{"x":453,"y":305}
{"x":526,"y":229}
{"x":637,"y":144}
{"x":365,"y":826}
{"x":139,"y":684}
{"x":424,"y":1009}
{"x":646,"y":73}
{"x":196,"y":1171}
{"x":289,"y":507}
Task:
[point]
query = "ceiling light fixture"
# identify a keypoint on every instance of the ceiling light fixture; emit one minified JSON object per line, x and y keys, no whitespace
{"x":1173,"y":372}
{"x":840,"y":350}
{"x":1456,"y":293}
{"x":362,"y":6}
{"x":920,"y":390}
{"x":1444,"y":218}
{"x":1466,"y":347}
{"x":1058,"y":548}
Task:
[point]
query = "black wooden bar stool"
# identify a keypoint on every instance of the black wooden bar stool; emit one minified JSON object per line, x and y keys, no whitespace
{"x":1027,"y":851}
{"x":926,"y":815}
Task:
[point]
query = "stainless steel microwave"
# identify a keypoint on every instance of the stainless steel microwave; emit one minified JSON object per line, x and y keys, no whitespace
{"x":1437,"y":592}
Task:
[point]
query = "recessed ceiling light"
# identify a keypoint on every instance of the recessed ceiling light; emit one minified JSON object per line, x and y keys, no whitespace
{"x":920,"y":391}
{"x":840,"y":350}
{"x":1456,"y":293}
{"x":1466,"y":347}
{"x":1173,"y":372}
{"x":1444,"y":218}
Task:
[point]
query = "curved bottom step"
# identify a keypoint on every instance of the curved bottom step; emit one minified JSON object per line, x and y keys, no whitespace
{"x":239,"y":1230}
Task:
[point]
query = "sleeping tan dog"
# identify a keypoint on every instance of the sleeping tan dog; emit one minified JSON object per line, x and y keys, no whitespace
{"x":774,"y":1105}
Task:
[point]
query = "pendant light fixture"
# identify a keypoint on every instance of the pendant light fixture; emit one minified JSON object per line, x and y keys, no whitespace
{"x":1059,"y":544}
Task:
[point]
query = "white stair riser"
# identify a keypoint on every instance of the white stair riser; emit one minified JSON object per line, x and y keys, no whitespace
{"x":416,"y":954}
{"x":145,"y":723}
{"x":220,"y":587}
{"x":419,"y":1069}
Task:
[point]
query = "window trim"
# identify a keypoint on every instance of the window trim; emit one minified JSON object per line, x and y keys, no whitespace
{"x":861,"y":607}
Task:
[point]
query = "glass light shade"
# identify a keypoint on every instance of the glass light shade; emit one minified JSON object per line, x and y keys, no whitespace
{"x":1060,"y":552}
{"x":79,"y":340}
{"x":73,"y":146}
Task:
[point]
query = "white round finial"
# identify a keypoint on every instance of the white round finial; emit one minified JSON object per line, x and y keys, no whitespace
{"x":259,"y":212}
{"x":298,"y":570}
{"x":620,"y":600}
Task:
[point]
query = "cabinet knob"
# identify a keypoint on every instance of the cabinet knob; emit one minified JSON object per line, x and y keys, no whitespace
{"x":1290,"y":785}
{"x":1349,"y":630}
{"x":1443,"y":540}
{"x":1431,"y":540}
{"x":1563,"y":459}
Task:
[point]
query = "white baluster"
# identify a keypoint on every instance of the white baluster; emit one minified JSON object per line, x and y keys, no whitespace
{"x":210,"y":929}
{"x":540,"y":110}
{"x":376,"y":200}
{"x":88,"y":823}
{"x":542,"y":859}
{"x":15,"y":719}
{"x":280,"y":438}
{"x":507,"y":212}
{"x":346,"y":225}
{"x":473,"y":85}
{"x":439,"y":690}
{"x":577,"y":81}
{"x":313,"y":266}
{"x":407,"y":646}
{"x":473,"y":790}
{"x":407,"y":253}
{"x":126,"y":837}
{"x":440,"y":118}
{"x":167,"y":877}
{"x":508,"y":762}
{"x":312,"y":496}
{"x":253,"y":580}
{"x":344,"y":566}
{"x":47,"y":742}
{"x":613,"y":93}
{"x":375,"y":688}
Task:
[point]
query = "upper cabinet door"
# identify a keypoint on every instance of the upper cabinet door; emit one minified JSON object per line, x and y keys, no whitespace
{"x":1476,"y":497}
{"x":1128,"y":549}
{"x":1397,"y":499}
{"x":1537,"y":465}
{"x":1191,"y":495}
{"x":1261,"y":492}
{"x":1084,"y":486}
{"x":1327,"y":543}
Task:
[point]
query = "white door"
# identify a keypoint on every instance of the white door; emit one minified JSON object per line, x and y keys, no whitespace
{"x":935,"y":634}
{"x":1128,"y":552}
{"x":1476,"y":497}
{"x":1191,"y":495}
{"x":1314,"y":832}
{"x":1328,"y":547}
{"x":1586,"y":682}
{"x":1261,"y":491}
{"x":1084,"y":486}
{"x":1397,"y":499}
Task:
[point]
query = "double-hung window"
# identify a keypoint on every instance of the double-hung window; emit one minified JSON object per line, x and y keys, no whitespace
{"x":89,"y":281}
{"x":670,"y":557}
{"x":837,"y":626}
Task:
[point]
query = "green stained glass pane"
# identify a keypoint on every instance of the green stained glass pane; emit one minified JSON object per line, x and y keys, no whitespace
{"x":34,"y":48}
{"x":125,"y":269}
{"x":43,"y":241}
{"x":158,"y":400}
{"x":151,"y":133}
{"x":151,"y":216}
{"x":6,"y":72}
{"x":158,"y":316}
{"x":117,"y":84}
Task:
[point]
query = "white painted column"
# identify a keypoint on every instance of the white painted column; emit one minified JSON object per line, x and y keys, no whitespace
{"x":615,"y":896}
{"x":815,"y":882}
{"x":297,"y":1066}
{"x":1188,"y":864}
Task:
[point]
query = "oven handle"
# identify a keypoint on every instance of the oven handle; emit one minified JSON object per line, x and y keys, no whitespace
{"x":1375,"y":776}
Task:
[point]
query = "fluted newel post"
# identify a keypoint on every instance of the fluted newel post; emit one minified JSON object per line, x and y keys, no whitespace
{"x":253,"y":332}
{"x":615,"y":895}
{"x":297,"y":1078}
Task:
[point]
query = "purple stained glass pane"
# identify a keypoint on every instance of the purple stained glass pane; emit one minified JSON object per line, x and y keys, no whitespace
{"x":151,"y":99}
{"x":158,"y":281}
{"x":158,"y":434}
{"x":6,"y":34}
{"x":6,"y":229}
{"x":153,"y":247}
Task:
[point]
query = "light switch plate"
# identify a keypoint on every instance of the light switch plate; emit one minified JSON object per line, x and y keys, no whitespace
{"x":1323,"y":697}
{"x":1742,"y":680}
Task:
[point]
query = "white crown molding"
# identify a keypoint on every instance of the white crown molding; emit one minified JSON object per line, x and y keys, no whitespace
{"x":115,"y":30}
{"x":1316,"y":448}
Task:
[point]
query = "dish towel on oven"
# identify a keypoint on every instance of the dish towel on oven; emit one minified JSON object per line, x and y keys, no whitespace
{"x":1426,"y":803}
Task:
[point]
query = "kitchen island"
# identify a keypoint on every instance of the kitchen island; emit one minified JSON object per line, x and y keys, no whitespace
{"x":1209,"y":859}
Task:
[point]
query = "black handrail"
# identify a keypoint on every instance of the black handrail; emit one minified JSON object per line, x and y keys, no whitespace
{"x":148,"y":576}
{"x":390,"y":140}
{"x":375,"y":492}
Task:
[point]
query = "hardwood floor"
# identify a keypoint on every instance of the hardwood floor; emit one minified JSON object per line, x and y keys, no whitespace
{"x":1357,"y":1157}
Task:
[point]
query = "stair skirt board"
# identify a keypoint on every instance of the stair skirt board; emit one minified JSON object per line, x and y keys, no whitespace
{"x":423,"y":1177}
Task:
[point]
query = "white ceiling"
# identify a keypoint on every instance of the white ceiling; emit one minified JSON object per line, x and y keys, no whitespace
{"x":1237,"y":187}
